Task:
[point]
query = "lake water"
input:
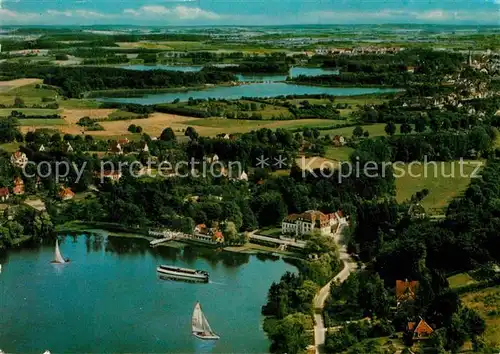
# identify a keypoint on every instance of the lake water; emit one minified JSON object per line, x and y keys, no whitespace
{"x":110,"y":299}
{"x":294,"y":72}
{"x":271,"y":89}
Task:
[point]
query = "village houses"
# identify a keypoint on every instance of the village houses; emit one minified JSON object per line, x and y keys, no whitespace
{"x":4,"y":194}
{"x":18,"y":186}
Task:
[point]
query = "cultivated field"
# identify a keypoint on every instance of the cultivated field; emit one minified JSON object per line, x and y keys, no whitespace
{"x":442,"y":189}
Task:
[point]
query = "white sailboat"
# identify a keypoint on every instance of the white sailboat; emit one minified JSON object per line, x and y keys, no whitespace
{"x":58,"y":258}
{"x":200,"y":327}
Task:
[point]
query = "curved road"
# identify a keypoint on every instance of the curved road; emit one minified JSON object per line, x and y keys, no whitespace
{"x":320,"y":298}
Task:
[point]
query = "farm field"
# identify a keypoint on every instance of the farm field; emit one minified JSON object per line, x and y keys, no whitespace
{"x":377,"y":129}
{"x":461,"y":279}
{"x":5,"y":112}
{"x":339,"y":153}
{"x":487,"y":303}
{"x":442,"y":189}
{"x":41,"y":122}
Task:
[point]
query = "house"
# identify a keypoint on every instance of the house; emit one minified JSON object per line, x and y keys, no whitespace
{"x":66,"y":194}
{"x":243,"y":176}
{"x":69,"y":148}
{"x":111,"y":174}
{"x":18,"y":186}
{"x":145,"y":148}
{"x":41,"y":148}
{"x":213,"y":158}
{"x":422,"y":330}
{"x":4,"y":194}
{"x":201,"y":229}
{"x":406,"y":290}
{"x":339,"y":140}
{"x":123,"y":142}
{"x":116,"y":148}
{"x":416,"y":211}
{"x":19,"y":159}
{"x":410,"y":69}
{"x":300,"y":224}
{"x":218,"y":237}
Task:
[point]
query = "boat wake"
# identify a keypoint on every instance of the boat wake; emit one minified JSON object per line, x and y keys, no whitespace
{"x":216,"y":283}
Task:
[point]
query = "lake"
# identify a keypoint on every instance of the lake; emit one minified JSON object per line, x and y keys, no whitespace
{"x":294,"y":72}
{"x":269,"y":89}
{"x":110,"y":299}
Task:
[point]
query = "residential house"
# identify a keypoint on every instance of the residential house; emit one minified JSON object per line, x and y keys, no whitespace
{"x":416,"y":211}
{"x":4,"y":194}
{"x":69,"y":148}
{"x":18,"y":186}
{"x":406,"y":290}
{"x":41,"y":148}
{"x":111,"y":174}
{"x":145,"y":148}
{"x":213,"y":158}
{"x":66,"y":193}
{"x":218,"y":237}
{"x":116,"y":148}
{"x":420,"y":331}
{"x":339,"y":140}
{"x":300,"y":224}
{"x":123,"y":142}
{"x":19,"y":159}
{"x":243,"y":176}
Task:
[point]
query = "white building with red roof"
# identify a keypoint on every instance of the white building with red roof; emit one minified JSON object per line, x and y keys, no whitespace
{"x":309,"y":221}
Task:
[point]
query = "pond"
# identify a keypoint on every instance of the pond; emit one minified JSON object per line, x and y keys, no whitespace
{"x":110,"y":299}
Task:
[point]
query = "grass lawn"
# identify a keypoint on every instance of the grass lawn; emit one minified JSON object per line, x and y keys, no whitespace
{"x":41,"y":122}
{"x":339,"y":153}
{"x":442,"y":189}
{"x":272,"y":232}
{"x":76,"y":103}
{"x":459,"y":280}
{"x":377,"y":129}
{"x":243,"y":126}
{"x":5,"y":112}
{"x":120,"y":113}
{"x":487,"y":303}
{"x":10,"y":147}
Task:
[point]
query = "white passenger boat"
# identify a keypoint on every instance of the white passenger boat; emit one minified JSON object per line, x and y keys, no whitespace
{"x":183,"y":273}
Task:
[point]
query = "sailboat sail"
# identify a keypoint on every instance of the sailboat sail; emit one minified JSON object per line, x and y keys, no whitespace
{"x":200,"y":323}
{"x":58,"y":258}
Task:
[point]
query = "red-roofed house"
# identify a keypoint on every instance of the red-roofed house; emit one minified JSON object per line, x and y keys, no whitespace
{"x":422,"y":330}
{"x":123,"y":141}
{"x":406,"y":290}
{"x":19,"y":159}
{"x":18,"y":186}
{"x":4,"y":194}
{"x":66,"y":194}
{"x":300,"y":224}
{"x":113,"y":175}
{"x":218,"y":237}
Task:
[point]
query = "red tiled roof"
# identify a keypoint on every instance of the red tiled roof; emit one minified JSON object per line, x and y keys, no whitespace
{"x":406,"y":290}
{"x":423,"y":329}
{"x":311,"y":216}
{"x":18,"y":181}
{"x":4,"y":191}
{"x":66,"y":192}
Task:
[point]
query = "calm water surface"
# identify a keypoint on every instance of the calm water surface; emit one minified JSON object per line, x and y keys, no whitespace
{"x":110,"y":299}
{"x":270,"y":89}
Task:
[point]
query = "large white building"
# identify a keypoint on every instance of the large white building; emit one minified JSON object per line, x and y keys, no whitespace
{"x":311,"y":220}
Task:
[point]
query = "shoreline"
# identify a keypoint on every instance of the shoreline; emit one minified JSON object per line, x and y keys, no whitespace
{"x":248,"y":248}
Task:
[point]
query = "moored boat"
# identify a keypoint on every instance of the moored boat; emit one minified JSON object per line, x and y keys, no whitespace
{"x":199,"y":325}
{"x":183,"y":273}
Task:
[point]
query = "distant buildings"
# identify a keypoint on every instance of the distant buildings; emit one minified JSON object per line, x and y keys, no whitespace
{"x":206,"y":234}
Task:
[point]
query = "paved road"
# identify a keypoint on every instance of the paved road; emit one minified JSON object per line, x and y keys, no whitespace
{"x":320,"y":298}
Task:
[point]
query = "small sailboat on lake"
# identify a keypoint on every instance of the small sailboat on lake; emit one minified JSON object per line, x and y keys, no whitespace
{"x":200,"y":327}
{"x":58,"y":258}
